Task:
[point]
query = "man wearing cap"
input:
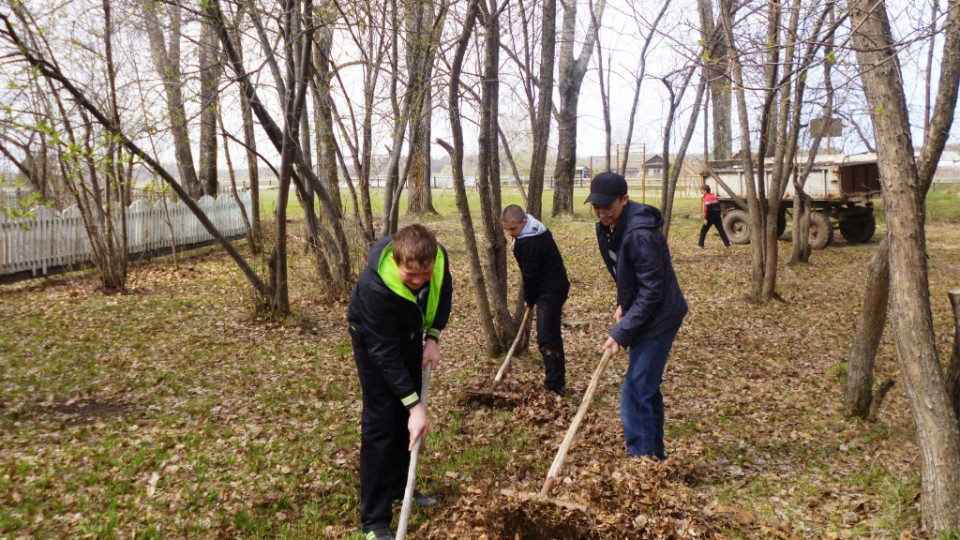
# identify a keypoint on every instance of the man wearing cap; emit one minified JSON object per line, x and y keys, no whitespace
{"x":650,"y":306}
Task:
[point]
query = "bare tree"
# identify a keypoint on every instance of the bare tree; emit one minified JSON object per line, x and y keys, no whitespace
{"x":718,"y":76}
{"x":165,"y":49}
{"x":297,"y":33}
{"x":85,"y":163}
{"x":571,"y":72}
{"x":42,"y":60}
{"x":210,"y":70}
{"x":859,"y":398}
{"x":488,"y":172}
{"x":422,"y":43}
{"x":393,"y":187}
{"x":537,"y":84}
{"x":456,"y":162}
{"x":765,"y":193}
{"x":905,"y":181}
{"x":671,"y":171}
{"x":803,"y":203}
{"x":250,"y":149}
{"x":371,"y":41}
{"x":639,"y":74}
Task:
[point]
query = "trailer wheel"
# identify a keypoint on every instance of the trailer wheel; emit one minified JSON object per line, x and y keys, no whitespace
{"x":858,"y":230}
{"x":737,"y":226}
{"x":821,"y":230}
{"x":781,"y":222}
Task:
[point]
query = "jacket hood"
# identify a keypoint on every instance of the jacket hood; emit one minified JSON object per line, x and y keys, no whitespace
{"x":532,"y":228}
{"x":642,"y":216}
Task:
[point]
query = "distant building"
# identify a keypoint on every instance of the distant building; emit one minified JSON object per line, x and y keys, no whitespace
{"x":654,"y":166}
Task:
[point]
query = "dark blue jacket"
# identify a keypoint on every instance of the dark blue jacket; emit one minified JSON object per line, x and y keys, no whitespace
{"x":638,"y":258}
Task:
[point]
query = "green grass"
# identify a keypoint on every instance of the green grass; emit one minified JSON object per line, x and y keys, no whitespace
{"x":943,"y":205}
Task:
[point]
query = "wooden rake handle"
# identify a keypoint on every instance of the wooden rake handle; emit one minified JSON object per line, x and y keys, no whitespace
{"x":572,"y":430}
{"x":516,"y":341}
{"x":412,"y":471}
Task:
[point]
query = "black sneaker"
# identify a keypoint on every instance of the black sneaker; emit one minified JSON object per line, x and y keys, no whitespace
{"x":419,"y":499}
{"x":382,"y":533}
{"x":423,"y":501}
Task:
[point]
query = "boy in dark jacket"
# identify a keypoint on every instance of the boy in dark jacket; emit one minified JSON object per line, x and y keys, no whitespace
{"x":650,"y":306}
{"x":545,"y":285}
{"x":404,"y":292}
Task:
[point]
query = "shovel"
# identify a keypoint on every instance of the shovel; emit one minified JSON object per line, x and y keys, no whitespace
{"x":412,"y":471}
{"x":567,"y":442}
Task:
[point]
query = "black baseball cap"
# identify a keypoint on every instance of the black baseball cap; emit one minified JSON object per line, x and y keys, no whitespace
{"x":605,"y":188}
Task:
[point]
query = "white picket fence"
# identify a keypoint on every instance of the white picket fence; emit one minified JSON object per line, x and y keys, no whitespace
{"x":51,"y":239}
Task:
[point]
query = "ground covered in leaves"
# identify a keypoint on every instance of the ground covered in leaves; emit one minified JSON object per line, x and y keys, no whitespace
{"x":176,"y":411}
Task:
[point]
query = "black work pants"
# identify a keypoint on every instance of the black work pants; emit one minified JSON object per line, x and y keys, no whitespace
{"x":550,"y":340}
{"x":384,"y":438}
{"x":713,"y":220}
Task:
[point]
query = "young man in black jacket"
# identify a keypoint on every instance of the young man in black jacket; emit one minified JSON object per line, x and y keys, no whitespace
{"x":404,"y":293}
{"x":650,"y":306}
{"x":545,"y":285}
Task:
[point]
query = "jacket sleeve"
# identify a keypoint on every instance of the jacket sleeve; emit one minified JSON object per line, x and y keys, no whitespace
{"x":530,"y":259}
{"x":446,"y":300}
{"x":381,"y":334}
{"x":645,"y":257}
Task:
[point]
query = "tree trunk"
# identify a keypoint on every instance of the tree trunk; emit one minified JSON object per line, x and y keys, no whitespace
{"x":253,"y":173}
{"x":866,"y":339}
{"x":419,"y":200}
{"x":542,"y":114}
{"x":422,"y":42}
{"x":671,"y":174}
{"x":313,"y":229}
{"x":456,"y":165}
{"x":953,"y":368}
{"x":231,"y":174}
{"x":568,"y":90}
{"x":717,"y":65}
{"x":757,"y":223}
{"x":388,"y":223}
{"x":168,"y":67}
{"x":803,"y":203}
{"x":209,"y":87}
{"x":938,"y":433}
{"x":571,"y":75}
{"x":279,"y":137}
{"x":421,"y":47}
{"x":488,"y":178}
{"x":800,"y":225}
